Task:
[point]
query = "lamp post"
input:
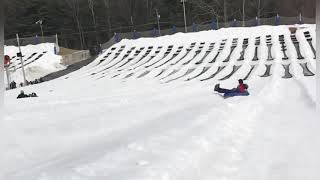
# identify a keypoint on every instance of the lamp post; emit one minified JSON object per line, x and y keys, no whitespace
{"x":40,"y":23}
{"x":158,"y":19}
{"x":184,"y":14}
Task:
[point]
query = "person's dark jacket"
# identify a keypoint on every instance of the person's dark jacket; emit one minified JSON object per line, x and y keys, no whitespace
{"x":14,"y":84}
{"x":22,"y":95}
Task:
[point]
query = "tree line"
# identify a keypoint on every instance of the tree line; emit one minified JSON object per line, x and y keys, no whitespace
{"x":83,"y":23}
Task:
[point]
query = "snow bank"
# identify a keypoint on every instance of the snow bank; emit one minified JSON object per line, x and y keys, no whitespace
{"x":34,"y":68}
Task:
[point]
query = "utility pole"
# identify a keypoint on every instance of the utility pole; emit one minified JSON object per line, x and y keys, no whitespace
{"x":158,"y":18}
{"x":40,"y":23}
{"x":259,"y":4}
{"x":22,"y":65}
{"x":57,"y":40}
{"x":56,"y":46}
{"x":243,"y":13}
{"x":184,"y":14}
{"x":300,"y":18}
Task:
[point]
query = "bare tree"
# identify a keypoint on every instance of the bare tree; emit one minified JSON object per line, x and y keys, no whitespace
{"x":74,"y":6}
{"x":225,"y":13}
{"x":108,"y":10}
{"x":91,"y":7}
{"x":208,"y":7}
{"x":216,"y":8}
{"x":258,"y":9}
{"x":259,"y":5}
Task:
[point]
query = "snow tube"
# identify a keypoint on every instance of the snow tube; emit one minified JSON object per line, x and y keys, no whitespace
{"x":245,"y":93}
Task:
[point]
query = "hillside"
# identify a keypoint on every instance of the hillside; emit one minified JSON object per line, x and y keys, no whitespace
{"x":146,"y":109}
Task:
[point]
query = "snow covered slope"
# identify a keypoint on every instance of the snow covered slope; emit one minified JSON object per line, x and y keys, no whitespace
{"x":146,"y":109}
{"x":39,"y":60}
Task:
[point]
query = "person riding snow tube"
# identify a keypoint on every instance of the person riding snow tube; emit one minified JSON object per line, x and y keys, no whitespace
{"x":241,"y":90}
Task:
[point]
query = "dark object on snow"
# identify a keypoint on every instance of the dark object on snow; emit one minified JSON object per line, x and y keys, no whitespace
{"x":241,"y":90}
{"x":13,"y":85}
{"x":22,"y":95}
{"x":245,"y":93}
{"x":33,"y":95}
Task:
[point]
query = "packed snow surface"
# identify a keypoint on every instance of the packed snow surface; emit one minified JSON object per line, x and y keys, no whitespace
{"x":39,"y":60}
{"x":113,"y":120}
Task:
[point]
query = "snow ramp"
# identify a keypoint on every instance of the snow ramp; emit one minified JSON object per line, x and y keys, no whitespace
{"x":39,"y":60}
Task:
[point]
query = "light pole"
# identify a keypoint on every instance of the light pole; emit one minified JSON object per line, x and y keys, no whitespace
{"x":40,"y":23}
{"x":300,"y":18}
{"x":259,"y":3}
{"x":184,"y":14}
{"x":158,"y":18}
{"x":22,"y":65}
{"x":243,"y":13}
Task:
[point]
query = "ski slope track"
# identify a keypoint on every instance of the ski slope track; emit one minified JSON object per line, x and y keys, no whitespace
{"x":146,"y":110}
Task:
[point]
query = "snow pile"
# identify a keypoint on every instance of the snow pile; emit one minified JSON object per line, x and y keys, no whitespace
{"x":39,"y":60}
{"x":96,"y":124}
